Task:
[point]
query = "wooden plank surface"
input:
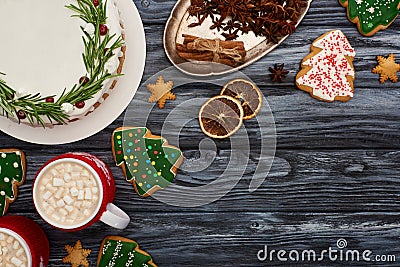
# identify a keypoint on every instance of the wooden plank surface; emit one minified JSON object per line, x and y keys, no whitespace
{"x":335,"y":174}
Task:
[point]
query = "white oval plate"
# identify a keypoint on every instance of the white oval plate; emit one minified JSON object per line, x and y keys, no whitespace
{"x":112,"y":107}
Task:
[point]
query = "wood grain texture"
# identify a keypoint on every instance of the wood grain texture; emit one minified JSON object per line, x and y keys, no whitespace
{"x":335,"y":174}
{"x":234,"y":239}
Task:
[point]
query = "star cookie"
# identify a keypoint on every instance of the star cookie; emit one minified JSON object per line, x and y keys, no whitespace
{"x":161,"y":92}
{"x":77,"y":255}
{"x":387,"y":68}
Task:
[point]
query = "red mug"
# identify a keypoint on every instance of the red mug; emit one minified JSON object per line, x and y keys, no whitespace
{"x":24,"y":241}
{"x":74,"y":190}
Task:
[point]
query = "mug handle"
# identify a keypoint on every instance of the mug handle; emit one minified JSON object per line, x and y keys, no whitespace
{"x":115,"y":217}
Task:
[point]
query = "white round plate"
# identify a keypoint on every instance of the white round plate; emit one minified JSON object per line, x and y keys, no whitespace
{"x":112,"y":107}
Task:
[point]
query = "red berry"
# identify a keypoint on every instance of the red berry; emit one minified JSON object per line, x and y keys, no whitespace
{"x":21,"y":114}
{"x":11,"y":97}
{"x":50,"y":99}
{"x":80,"y":104}
{"x":95,"y":2}
{"x":103,"y":29}
{"x":83,"y":80}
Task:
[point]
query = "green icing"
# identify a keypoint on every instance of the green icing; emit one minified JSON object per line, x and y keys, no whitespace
{"x":148,"y":161}
{"x":372,"y":13}
{"x":11,"y":172}
{"x":117,"y":253}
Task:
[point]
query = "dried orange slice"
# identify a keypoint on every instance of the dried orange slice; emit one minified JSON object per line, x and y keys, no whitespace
{"x":221,"y":116}
{"x":247,"y":93}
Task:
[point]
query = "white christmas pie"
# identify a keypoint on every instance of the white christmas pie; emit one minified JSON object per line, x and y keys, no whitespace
{"x":59,"y":59}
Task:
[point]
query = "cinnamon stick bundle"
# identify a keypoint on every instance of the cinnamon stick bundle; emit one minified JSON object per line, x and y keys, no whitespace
{"x":230,"y":53}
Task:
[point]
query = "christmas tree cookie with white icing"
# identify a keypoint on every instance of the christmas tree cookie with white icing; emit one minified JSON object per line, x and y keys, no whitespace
{"x":118,"y":251}
{"x":148,"y":161}
{"x":371,"y":16}
{"x":327,"y":73}
{"x":12,"y":175}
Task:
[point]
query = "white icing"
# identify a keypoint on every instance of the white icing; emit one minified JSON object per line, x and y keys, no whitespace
{"x":21,"y":92}
{"x":90,"y":29}
{"x":330,"y":68}
{"x":41,"y":47}
{"x":112,"y":65}
{"x":67,"y":107}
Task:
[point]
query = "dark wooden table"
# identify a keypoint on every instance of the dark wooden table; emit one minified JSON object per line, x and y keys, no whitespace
{"x":335,"y":175}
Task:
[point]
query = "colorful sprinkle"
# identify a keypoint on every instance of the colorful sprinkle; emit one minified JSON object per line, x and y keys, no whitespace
{"x":146,"y":153}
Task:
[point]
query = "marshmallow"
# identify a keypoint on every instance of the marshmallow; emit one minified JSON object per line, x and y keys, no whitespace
{"x":55,"y":217}
{"x":68,"y":167}
{"x":67,"y":177}
{"x":68,"y":199}
{"x":69,"y":208}
{"x":47,"y":195}
{"x":79,"y":183}
{"x":16,"y":261}
{"x":74,"y":191}
{"x":88,"y":193}
{"x":59,"y":193}
{"x":63,"y":212}
{"x":60,"y":203}
{"x":58,"y":182}
{"x":19,"y":252}
{"x":80,"y":195}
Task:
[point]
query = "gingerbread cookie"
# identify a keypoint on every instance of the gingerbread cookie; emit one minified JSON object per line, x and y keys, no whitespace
{"x":12,"y":175}
{"x":327,"y":73}
{"x":387,"y":68}
{"x":116,"y":251}
{"x":371,"y":16}
{"x":147,"y":160}
{"x":161,"y":92}
{"x":77,"y":255}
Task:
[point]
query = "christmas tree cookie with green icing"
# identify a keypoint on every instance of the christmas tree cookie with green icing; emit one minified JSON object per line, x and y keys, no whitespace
{"x":371,"y":16}
{"x":118,"y":251}
{"x":148,"y":161}
{"x":12,"y":175}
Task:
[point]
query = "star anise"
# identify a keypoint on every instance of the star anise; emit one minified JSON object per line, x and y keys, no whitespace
{"x":278,"y":73}
{"x":272,"y":19}
{"x":218,"y":24}
{"x":230,"y":35}
{"x":199,"y":22}
{"x":231,"y":25}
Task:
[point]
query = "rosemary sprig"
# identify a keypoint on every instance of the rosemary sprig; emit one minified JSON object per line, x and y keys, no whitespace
{"x":98,"y":50}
